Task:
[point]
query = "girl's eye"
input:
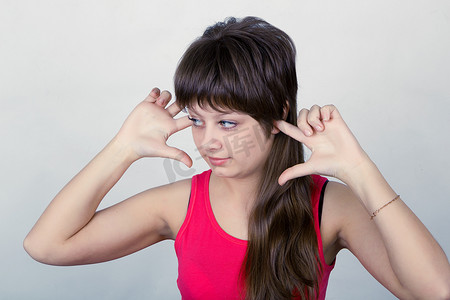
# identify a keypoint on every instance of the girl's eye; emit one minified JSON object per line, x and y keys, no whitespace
{"x":195,"y":122}
{"x":227,"y":124}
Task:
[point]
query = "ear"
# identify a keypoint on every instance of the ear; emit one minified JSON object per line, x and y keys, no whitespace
{"x":275,"y":130}
{"x":286,"y":110}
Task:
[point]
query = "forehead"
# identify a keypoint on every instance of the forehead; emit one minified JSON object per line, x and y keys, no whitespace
{"x":208,"y":110}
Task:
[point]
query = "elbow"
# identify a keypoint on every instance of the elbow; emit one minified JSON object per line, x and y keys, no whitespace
{"x":437,"y":288}
{"x":445,"y":292}
{"x":49,"y":252}
{"x":442,"y":289}
{"x":33,"y":249}
{"x":38,"y":251}
{"x":439,"y":291}
{"x":440,"y":294}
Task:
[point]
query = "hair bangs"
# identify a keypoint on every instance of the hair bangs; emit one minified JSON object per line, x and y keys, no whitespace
{"x":210,"y":75}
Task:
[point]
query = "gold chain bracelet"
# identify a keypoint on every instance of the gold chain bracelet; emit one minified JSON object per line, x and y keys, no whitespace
{"x":378,"y":210}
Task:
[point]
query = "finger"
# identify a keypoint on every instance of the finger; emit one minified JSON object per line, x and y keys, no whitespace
{"x":302,"y":122}
{"x":295,"y":172}
{"x":291,"y":130}
{"x":327,"y":111}
{"x":177,"y":154}
{"x":182,"y":123}
{"x":164,"y":98}
{"x":314,"y":118}
{"x":174,"y":109}
{"x":154,"y":94}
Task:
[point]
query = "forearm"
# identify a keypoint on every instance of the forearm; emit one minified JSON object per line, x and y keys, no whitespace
{"x":69,"y":226}
{"x":76,"y":203}
{"x":415,"y":257}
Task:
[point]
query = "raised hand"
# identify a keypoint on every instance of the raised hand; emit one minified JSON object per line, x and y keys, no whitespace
{"x":150,"y":124}
{"x":335,"y":150}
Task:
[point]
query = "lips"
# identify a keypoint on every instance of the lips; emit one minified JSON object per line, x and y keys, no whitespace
{"x":217,"y":161}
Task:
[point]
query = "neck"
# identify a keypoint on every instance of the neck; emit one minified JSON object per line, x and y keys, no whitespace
{"x":239,"y":191}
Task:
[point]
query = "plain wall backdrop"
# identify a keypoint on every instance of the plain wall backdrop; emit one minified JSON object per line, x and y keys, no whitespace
{"x":71,"y":71}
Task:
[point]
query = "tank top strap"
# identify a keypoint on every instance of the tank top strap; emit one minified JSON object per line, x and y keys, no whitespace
{"x":197,"y":202}
{"x":317,"y":193}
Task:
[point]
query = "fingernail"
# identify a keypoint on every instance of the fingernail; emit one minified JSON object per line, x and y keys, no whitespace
{"x":308,"y":132}
{"x":318,"y":127}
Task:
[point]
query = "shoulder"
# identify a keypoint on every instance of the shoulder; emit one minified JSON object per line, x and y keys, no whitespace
{"x":173,"y":190}
{"x":165,"y":205}
{"x":173,"y":200}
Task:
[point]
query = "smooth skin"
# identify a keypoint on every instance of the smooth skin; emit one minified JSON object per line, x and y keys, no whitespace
{"x":395,"y":247}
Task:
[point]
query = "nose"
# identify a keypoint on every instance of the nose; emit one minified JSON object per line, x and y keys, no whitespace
{"x":211,"y":140}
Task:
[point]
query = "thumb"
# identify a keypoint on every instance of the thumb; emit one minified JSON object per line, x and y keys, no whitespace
{"x":177,"y":154}
{"x":295,"y":172}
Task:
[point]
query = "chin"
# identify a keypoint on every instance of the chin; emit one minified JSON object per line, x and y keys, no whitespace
{"x":224,"y":171}
{"x":229,"y":172}
{"x":221,"y":171}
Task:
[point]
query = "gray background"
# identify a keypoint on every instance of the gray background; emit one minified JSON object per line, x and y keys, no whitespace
{"x":71,"y":71}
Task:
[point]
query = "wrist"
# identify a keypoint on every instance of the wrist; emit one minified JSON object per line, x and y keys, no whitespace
{"x":122,"y":151}
{"x":367,"y":182}
{"x":360,"y":166}
{"x":361,"y":175}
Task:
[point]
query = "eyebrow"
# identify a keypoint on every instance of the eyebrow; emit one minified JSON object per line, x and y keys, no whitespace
{"x":218,"y":112}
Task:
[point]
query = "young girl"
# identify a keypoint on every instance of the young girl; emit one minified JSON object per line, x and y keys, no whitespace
{"x":257,"y":225}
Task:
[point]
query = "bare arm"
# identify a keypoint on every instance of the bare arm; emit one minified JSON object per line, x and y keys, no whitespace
{"x":415,"y":257}
{"x":71,"y":232}
{"x":395,"y":238}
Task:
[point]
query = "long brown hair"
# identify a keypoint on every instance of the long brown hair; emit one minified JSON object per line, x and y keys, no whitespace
{"x":248,"y":66}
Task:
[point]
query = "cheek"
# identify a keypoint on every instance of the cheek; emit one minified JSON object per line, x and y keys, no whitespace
{"x":196,"y":135}
{"x":254,"y":149}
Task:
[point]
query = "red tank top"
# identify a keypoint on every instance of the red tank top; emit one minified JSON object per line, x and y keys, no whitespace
{"x":209,"y":259}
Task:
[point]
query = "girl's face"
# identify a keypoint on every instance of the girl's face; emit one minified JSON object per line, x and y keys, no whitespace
{"x":233,"y":144}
